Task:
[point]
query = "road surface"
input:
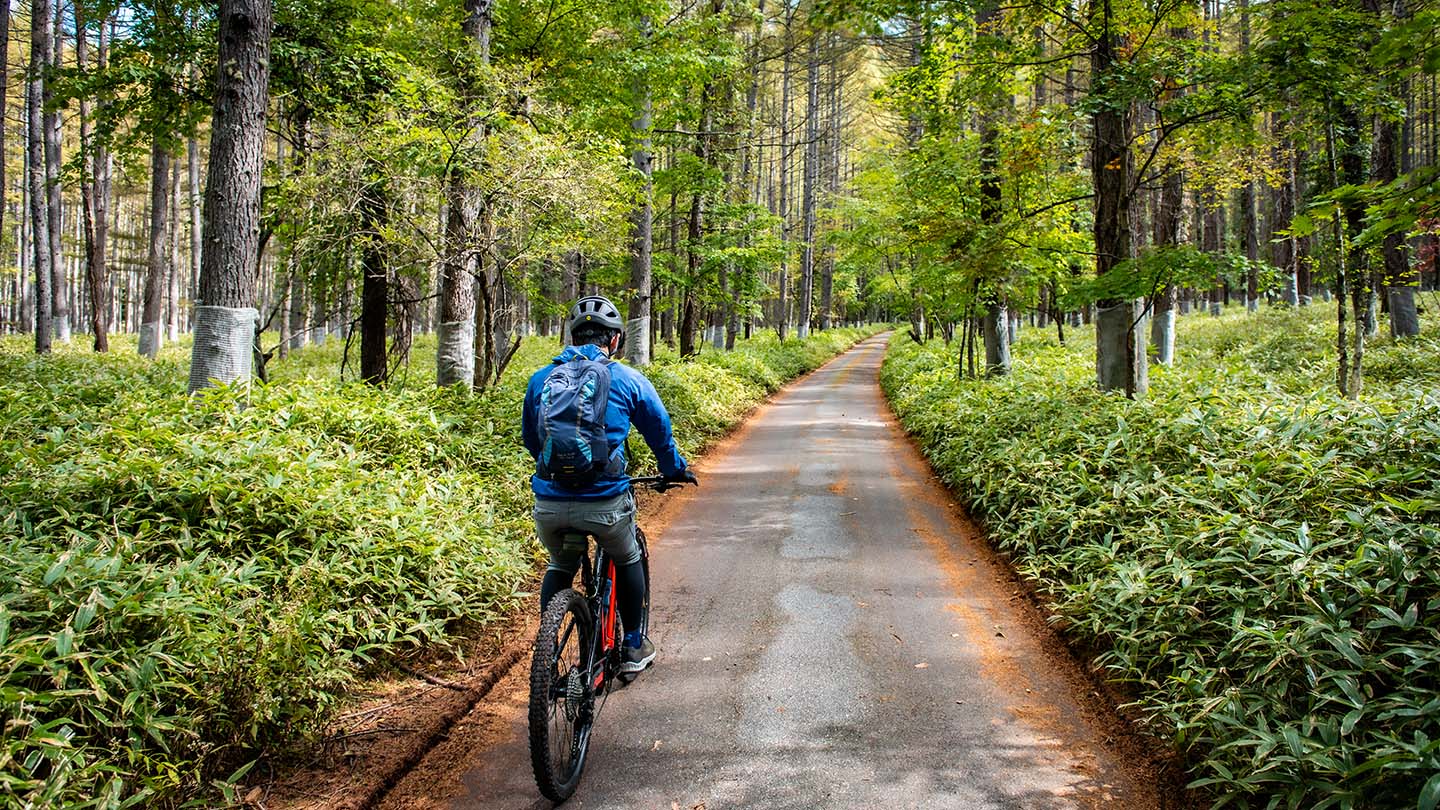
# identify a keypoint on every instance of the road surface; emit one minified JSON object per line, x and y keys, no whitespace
{"x":831,"y":634}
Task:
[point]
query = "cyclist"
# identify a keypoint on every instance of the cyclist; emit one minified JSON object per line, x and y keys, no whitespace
{"x":604,"y":507}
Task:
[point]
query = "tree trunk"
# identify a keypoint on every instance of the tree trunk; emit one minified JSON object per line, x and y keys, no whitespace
{"x":60,"y":285}
{"x":457,"y":339}
{"x":1400,"y":280}
{"x":157,"y":260}
{"x":1211,"y":236}
{"x":35,"y":152}
{"x":1249,"y":228}
{"x":375,"y":289}
{"x":642,"y":225}
{"x":172,"y":243}
{"x":749,"y":189}
{"x":192,"y":150}
{"x":1169,"y":232}
{"x":832,"y":185}
{"x":96,"y":283}
{"x":1250,"y":238}
{"x":1286,"y":254}
{"x":1120,"y":360}
{"x":104,"y":166}
{"x":782,"y":319}
{"x":20,"y":281}
{"x":994,"y":326}
{"x":807,"y":193}
{"x":225,"y":312}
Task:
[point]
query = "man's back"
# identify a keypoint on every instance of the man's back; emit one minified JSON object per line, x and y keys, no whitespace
{"x":632,"y":400}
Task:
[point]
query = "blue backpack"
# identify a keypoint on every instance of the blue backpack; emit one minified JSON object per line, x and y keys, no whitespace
{"x":574,"y":451}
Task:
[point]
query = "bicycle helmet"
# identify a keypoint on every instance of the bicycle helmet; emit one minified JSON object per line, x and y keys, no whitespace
{"x":595,"y":310}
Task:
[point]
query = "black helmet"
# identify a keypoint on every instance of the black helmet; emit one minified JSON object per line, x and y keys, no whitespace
{"x":595,"y":310}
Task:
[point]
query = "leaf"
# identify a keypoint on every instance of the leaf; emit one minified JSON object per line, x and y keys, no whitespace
{"x":1430,"y":794}
{"x":64,"y":641}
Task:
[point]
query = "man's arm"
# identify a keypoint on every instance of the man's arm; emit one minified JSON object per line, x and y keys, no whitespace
{"x":651,"y":418}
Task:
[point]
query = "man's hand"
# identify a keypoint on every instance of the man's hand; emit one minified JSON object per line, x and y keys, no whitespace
{"x":686,"y":477}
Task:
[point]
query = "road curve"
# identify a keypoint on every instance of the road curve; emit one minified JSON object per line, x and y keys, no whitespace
{"x":832,"y":635}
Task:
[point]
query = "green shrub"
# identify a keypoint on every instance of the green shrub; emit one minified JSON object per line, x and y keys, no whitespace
{"x":1258,"y":558}
{"x":189,"y":583}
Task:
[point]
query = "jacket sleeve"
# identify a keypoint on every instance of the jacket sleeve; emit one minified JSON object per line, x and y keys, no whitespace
{"x":529,"y":430}
{"x":653,"y":421}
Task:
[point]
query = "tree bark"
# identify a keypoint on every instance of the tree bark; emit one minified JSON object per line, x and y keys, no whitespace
{"x":807,"y":193}
{"x":96,"y":283}
{"x":4,"y":100}
{"x":225,"y":313}
{"x":1120,"y":360}
{"x":157,"y":261}
{"x":1211,"y":236}
{"x":994,"y":326}
{"x":1399,"y":279}
{"x":60,"y":284}
{"x":1286,"y":254}
{"x":832,"y":183}
{"x":749,"y":189}
{"x":457,"y":340}
{"x":35,"y":153}
{"x":172,"y":245}
{"x":103,"y":163}
{"x":782,"y":319}
{"x":1249,"y":228}
{"x":1169,"y":232}
{"x":375,"y":287}
{"x":642,"y":224}
{"x":192,"y":150}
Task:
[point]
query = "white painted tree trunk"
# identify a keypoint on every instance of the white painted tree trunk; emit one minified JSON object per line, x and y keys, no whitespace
{"x":642,"y":227}
{"x":225,"y":318}
{"x":35,"y":173}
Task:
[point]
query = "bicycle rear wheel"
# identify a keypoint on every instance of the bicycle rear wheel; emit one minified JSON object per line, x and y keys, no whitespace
{"x":561,"y":700}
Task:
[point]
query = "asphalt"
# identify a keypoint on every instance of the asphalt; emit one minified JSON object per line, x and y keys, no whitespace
{"x":831,"y":634}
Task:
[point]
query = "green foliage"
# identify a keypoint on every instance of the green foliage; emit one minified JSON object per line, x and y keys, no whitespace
{"x":1181,"y":266}
{"x":190,"y":585}
{"x":1256,"y":556}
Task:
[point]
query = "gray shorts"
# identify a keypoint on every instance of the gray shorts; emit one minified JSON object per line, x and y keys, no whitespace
{"x":611,"y":521}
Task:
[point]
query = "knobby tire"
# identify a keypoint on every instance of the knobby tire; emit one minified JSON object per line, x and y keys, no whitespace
{"x":560,"y":724}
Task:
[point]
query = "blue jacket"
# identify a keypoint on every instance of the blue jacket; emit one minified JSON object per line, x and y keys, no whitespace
{"x":632,"y":400}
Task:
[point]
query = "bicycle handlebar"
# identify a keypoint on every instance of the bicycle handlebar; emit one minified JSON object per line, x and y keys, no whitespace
{"x":659,"y":483}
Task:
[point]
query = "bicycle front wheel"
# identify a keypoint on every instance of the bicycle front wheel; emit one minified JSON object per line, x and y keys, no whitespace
{"x":561,"y":699}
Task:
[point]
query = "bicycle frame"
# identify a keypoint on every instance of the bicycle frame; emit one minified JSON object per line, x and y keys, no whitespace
{"x":598,"y":582}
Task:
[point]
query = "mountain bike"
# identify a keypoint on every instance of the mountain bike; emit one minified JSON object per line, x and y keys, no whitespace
{"x":577,"y":659}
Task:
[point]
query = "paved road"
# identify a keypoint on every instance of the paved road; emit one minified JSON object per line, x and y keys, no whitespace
{"x":830,"y":636}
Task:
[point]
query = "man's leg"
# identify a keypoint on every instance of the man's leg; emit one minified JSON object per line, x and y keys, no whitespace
{"x":613,"y":524}
{"x":552,"y":523}
{"x":631,"y":582}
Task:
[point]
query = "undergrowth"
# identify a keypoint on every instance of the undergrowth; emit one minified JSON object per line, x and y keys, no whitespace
{"x":1259,"y":558}
{"x":189,"y":584}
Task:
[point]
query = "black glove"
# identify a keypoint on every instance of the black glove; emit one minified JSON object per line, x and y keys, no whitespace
{"x":686,"y":477}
